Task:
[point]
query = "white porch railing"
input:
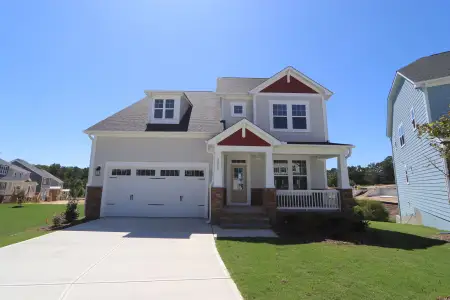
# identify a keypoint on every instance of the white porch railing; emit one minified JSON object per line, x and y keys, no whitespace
{"x":308,"y":200}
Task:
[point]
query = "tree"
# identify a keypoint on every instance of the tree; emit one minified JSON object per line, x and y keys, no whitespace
{"x":438,"y":134}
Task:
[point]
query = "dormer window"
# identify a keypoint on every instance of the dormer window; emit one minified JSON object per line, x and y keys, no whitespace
{"x":164,"y":108}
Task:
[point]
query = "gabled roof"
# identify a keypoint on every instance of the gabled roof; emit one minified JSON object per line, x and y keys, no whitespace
{"x":419,"y":73}
{"x":204,"y":116}
{"x":36,"y":170}
{"x":11,"y":166}
{"x":428,"y":68}
{"x":244,"y":124}
{"x":291,"y":71}
{"x":237,"y":85}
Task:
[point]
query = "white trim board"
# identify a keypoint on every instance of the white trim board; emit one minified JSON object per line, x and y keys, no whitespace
{"x":290,"y":71}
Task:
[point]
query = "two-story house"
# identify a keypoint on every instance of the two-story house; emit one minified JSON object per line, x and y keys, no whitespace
{"x":46,"y":182}
{"x":420,"y":93}
{"x":14,"y":179}
{"x":255,"y":145}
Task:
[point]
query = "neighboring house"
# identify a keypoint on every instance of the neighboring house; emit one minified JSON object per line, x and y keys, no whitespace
{"x":46,"y":181}
{"x":259,"y":142}
{"x":13,"y":179}
{"x":420,"y":94}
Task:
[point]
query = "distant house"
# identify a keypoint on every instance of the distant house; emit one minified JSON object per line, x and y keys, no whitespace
{"x":14,"y":178}
{"x":420,"y":93}
{"x":44,"y":179}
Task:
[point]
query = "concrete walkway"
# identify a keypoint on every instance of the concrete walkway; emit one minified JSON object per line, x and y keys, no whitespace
{"x":118,"y":258}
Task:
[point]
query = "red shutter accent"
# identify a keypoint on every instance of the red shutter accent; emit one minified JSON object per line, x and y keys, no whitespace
{"x":294,"y":86}
{"x":250,"y":139}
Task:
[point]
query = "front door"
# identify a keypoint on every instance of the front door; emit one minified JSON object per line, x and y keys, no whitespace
{"x":238,"y":184}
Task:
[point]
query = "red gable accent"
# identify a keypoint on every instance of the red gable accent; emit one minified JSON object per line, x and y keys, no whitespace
{"x":250,"y":139}
{"x":294,"y":86}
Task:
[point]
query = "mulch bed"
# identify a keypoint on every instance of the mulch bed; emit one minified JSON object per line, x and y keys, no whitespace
{"x":64,"y":226}
{"x":443,"y":237}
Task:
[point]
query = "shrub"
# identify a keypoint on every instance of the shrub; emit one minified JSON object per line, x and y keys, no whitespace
{"x":371,"y":210}
{"x":57,"y":220}
{"x":71,"y":213}
{"x":336,"y":224}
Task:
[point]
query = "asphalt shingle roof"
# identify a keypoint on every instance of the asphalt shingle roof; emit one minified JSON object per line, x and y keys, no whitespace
{"x":428,"y":67}
{"x":237,"y":84}
{"x":204,"y":116}
{"x":36,"y":170}
{"x":11,"y":166}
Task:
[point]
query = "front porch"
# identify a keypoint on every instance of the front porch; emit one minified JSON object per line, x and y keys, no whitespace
{"x":247,"y":178}
{"x":253,"y":169}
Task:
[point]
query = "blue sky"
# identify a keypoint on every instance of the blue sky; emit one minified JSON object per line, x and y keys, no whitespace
{"x":65,"y":65}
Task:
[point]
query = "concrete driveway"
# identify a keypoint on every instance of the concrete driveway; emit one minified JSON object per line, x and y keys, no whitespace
{"x":118,"y":258}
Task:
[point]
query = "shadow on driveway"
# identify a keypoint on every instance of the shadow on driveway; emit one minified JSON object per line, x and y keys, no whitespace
{"x":173,"y":228}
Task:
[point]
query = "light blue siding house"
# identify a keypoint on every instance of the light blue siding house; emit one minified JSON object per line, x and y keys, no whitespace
{"x":420,"y":93}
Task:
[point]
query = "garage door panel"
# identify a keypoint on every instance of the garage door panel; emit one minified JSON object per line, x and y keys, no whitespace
{"x":140,"y":195}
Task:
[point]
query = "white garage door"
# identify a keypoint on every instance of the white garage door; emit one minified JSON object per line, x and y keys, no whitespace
{"x":155,"y":190}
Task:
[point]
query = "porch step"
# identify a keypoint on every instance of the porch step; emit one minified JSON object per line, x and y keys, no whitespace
{"x":239,"y":218}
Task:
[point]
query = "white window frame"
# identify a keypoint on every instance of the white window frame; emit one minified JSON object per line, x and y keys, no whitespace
{"x":412,"y":115}
{"x":233,"y":105}
{"x":401,"y":135}
{"x":277,"y":166}
{"x":290,"y":173}
{"x":164,"y":120}
{"x":289,"y":104}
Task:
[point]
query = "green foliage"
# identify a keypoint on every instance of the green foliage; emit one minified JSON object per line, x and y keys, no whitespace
{"x":74,"y":178}
{"x":375,"y":173}
{"x":371,"y":210}
{"x":438,"y":135}
{"x":71,"y":213}
{"x":57,"y":220}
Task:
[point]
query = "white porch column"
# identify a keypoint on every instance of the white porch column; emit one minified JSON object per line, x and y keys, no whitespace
{"x":343,"y":181}
{"x":218,"y":169}
{"x":270,"y":181}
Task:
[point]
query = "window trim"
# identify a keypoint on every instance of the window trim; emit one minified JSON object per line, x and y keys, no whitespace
{"x":289,"y":116}
{"x":290,"y":170}
{"x":400,"y":136}
{"x":413,"y":120}
{"x":233,"y":104}
{"x":164,"y":120}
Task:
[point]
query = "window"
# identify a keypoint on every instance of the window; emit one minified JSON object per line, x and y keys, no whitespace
{"x":194,"y":173}
{"x":164,"y":108}
{"x":2,"y":186}
{"x":401,"y":135}
{"x":292,"y":116}
{"x":45,"y":181}
{"x":298,"y":116}
{"x":299,"y":175}
{"x":4,"y":169}
{"x":413,"y":118}
{"x":280,"y":172}
{"x":170,"y":173}
{"x":238,"y":109}
{"x":280,"y":119}
{"x":121,"y":172}
{"x":145,"y":172}
{"x":238,"y":161}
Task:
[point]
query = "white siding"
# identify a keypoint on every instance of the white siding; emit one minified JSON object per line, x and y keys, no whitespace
{"x":128,"y":149}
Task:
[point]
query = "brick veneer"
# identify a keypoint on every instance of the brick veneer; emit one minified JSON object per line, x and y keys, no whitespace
{"x":217,"y":203}
{"x":93,"y":202}
{"x":270,"y":204}
{"x":347,"y":200}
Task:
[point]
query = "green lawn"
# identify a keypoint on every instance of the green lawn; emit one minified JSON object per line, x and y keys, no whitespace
{"x":19,"y":224}
{"x":401,"y":263}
